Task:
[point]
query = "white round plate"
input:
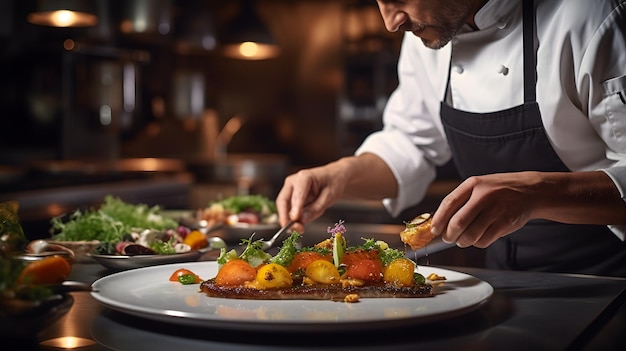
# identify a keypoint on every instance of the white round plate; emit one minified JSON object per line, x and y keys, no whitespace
{"x":148,"y":293}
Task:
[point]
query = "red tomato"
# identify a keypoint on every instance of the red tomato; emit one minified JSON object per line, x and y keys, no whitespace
{"x":183,"y":271}
{"x":302,"y":259}
{"x":352,"y":257}
{"x":366,"y":270}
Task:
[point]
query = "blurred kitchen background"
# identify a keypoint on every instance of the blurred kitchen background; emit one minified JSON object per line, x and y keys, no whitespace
{"x":156,"y":102}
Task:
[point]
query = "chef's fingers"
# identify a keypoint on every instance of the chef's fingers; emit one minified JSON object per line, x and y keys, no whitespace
{"x":490,"y":223}
{"x":493,"y":233}
{"x":298,"y":197}
{"x":448,"y":208}
{"x":284,"y":201}
{"x":324,"y":198}
{"x":476,"y":232}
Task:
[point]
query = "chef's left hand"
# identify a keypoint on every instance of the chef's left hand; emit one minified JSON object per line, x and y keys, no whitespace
{"x":484,"y":208}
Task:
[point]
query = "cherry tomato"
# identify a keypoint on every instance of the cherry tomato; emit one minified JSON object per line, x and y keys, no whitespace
{"x":323,"y":272}
{"x":274,"y":276}
{"x":366,"y":270}
{"x":235,"y":272}
{"x":302,"y":259}
{"x":352,"y":257}
{"x":183,"y":272}
{"x":400,"y":272}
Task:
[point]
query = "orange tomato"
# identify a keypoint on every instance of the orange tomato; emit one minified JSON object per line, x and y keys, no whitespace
{"x":196,"y":240}
{"x":183,"y":271}
{"x":302,"y":259}
{"x":234,"y":273}
{"x":366,"y":270}
{"x":50,"y":270}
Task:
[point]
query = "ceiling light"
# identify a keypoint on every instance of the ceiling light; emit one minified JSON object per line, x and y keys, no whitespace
{"x":246,"y":36}
{"x":64,"y":13}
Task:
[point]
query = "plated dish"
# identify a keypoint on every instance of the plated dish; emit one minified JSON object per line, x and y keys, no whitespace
{"x":119,"y":262}
{"x":123,"y":262}
{"x":232,"y":233}
{"x":146,"y":292}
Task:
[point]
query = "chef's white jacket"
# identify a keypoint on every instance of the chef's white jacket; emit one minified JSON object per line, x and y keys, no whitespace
{"x":581,"y":89}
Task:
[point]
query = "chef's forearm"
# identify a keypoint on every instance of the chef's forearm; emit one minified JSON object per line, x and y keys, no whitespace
{"x":581,"y":198}
{"x":368,"y":177}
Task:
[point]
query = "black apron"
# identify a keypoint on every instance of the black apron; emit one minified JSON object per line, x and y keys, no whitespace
{"x":515,"y":140}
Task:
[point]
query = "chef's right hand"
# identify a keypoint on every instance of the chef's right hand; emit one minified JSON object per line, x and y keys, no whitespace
{"x":308,"y":193}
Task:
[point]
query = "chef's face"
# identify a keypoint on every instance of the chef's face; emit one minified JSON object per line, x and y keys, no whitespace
{"x":436,"y":22}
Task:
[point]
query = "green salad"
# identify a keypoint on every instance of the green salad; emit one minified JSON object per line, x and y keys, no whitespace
{"x":240,"y":203}
{"x":110,"y":222}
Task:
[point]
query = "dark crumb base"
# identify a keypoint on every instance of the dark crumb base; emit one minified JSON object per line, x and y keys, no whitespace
{"x":316,"y":292}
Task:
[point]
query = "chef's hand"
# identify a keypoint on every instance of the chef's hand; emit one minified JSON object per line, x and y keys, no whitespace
{"x":485,"y":208}
{"x":308,"y":193}
{"x":482,"y":209}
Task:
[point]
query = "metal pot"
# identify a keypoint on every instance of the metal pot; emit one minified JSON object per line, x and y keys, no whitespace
{"x":261,"y":174}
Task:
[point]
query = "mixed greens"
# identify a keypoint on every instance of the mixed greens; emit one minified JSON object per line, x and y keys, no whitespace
{"x":110,"y":222}
{"x":123,"y":228}
{"x":241,"y":210}
{"x":240,"y":203}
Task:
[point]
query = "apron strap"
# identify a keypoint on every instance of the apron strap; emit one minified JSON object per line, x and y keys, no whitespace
{"x":528,"y":23}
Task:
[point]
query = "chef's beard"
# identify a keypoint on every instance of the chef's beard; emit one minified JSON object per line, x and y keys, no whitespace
{"x":443,"y":37}
{"x":441,"y":30}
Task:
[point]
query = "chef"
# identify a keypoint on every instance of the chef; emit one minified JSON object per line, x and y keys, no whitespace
{"x":529,"y":100}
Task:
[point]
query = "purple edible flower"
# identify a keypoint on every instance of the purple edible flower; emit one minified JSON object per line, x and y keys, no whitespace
{"x":339,"y":228}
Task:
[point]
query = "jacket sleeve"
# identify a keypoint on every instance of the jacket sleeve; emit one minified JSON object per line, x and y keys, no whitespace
{"x":411,"y":141}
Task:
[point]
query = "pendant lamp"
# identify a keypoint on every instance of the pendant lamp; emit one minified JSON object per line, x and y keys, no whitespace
{"x":64,"y":13}
{"x":247,"y":37}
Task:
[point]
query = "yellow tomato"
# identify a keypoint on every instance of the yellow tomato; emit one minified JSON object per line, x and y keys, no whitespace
{"x":400,"y":272}
{"x":322,"y":272}
{"x":273,"y":276}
